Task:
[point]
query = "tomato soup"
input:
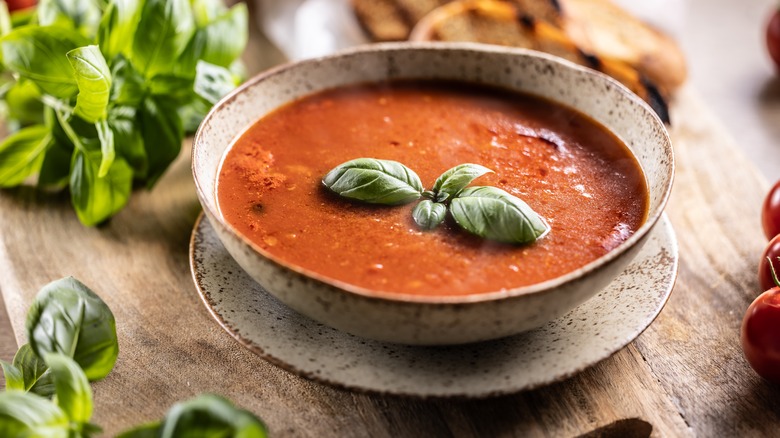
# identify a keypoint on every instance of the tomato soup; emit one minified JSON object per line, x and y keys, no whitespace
{"x":565,"y":166}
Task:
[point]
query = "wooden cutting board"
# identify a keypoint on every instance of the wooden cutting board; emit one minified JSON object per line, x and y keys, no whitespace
{"x":685,"y":375}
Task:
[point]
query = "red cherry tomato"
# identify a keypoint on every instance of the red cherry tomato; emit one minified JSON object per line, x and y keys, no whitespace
{"x":770,"y":212}
{"x":761,"y":335}
{"x":15,"y":5}
{"x":772,"y":251}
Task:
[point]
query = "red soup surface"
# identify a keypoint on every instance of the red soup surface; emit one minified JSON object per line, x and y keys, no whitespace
{"x":569,"y":169}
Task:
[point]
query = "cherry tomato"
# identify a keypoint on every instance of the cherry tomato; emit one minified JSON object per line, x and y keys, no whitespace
{"x":761,"y":335}
{"x":772,"y":251}
{"x":15,"y":5}
{"x":770,"y":212}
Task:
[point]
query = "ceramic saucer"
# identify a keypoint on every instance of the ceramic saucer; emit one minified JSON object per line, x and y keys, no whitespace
{"x":588,"y":334}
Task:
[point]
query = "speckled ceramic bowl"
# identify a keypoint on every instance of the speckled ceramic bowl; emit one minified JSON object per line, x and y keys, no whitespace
{"x":429,"y":320}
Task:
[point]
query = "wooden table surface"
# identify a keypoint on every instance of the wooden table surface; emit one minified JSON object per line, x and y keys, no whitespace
{"x":684,"y":376}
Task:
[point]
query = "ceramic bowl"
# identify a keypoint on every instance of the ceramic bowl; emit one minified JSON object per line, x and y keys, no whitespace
{"x":428,"y":320}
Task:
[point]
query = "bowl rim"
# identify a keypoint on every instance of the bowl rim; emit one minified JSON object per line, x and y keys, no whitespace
{"x":546,"y":286}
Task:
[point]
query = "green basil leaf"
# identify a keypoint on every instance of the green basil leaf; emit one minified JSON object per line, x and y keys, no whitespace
{"x":24,"y":103}
{"x":14,"y":379}
{"x":456,"y":179}
{"x":23,"y":17}
{"x":107,"y":152}
{"x":193,"y":112}
{"x":117,"y":28}
{"x":428,"y":214}
{"x":161,"y":129}
{"x":79,"y":14}
{"x":150,"y":430}
{"x":30,"y":365}
{"x":170,"y":86}
{"x":94,"y":82}
{"x":220,"y":38}
{"x":27,"y":415}
{"x":44,"y":386}
{"x":495,"y":214}
{"x":374,"y":181}
{"x":68,"y":318}
{"x":98,"y":198}
{"x":74,"y":395}
{"x":21,"y":154}
{"x":38,"y":54}
{"x":128,"y":140}
{"x":128,"y":87}
{"x":213,"y":82}
{"x":211,"y":416}
{"x":163,"y":32}
{"x":55,"y":170}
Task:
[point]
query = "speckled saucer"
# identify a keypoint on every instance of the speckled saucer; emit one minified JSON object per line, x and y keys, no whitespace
{"x":588,"y":334}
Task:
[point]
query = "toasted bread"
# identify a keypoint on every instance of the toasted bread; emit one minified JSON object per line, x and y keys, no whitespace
{"x":393,"y":20}
{"x":503,"y":23}
{"x":608,"y":31}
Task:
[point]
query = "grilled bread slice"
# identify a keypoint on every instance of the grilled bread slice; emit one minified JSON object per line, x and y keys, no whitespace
{"x":393,"y":20}
{"x":503,"y":23}
{"x":602,"y":28}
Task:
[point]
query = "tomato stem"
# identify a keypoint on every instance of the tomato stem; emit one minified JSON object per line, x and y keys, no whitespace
{"x":772,"y":269}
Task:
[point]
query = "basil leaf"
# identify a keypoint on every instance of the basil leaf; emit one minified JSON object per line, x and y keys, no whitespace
{"x":107,"y":152}
{"x":219,"y":42}
{"x":44,"y":386}
{"x":210,"y":416}
{"x":161,"y":129}
{"x":94,"y":82}
{"x":456,"y":179}
{"x":128,"y":140}
{"x":80,"y":14}
{"x":98,"y":198}
{"x":68,"y":318}
{"x":14,"y":379}
{"x":74,"y":395}
{"x":27,"y":415}
{"x":128,"y":86}
{"x":163,"y":32}
{"x":55,"y":170}
{"x":374,"y":181}
{"x":30,"y":365}
{"x":213,"y":82}
{"x":38,"y":53}
{"x":117,"y":28}
{"x":24,"y":104}
{"x":495,"y":214}
{"x":428,"y":214}
{"x":21,"y":154}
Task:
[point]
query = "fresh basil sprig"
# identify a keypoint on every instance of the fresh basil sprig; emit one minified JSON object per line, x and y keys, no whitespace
{"x":98,"y":95}
{"x":488,"y":212}
{"x":51,"y":397}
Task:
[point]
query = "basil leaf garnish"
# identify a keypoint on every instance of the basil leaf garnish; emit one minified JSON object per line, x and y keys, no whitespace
{"x":495,"y":214}
{"x":374,"y":181}
{"x":456,"y":179}
{"x":210,"y":415}
{"x":68,"y":318}
{"x":428,"y":214}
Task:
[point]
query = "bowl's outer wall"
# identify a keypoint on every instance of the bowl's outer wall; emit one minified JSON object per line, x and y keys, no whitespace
{"x":434,"y":322}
